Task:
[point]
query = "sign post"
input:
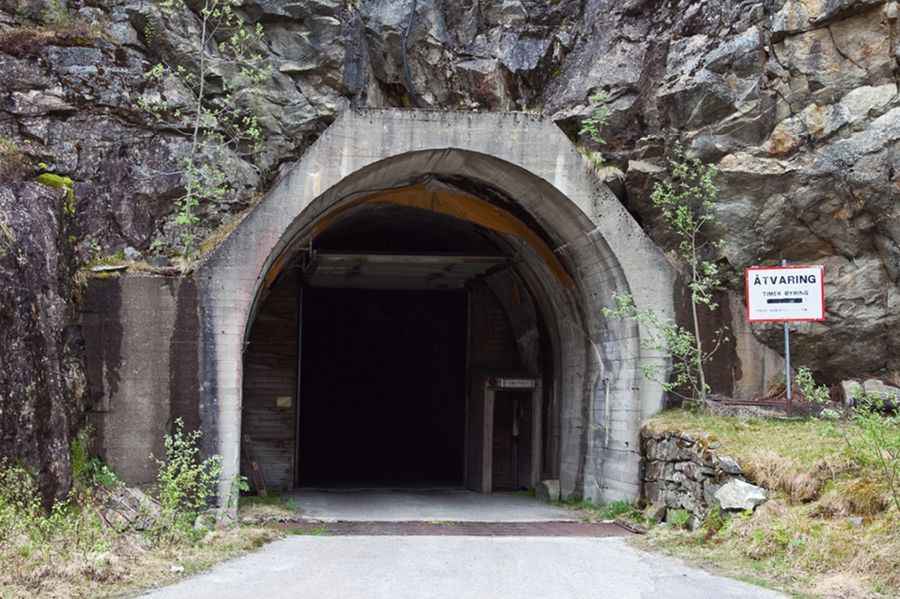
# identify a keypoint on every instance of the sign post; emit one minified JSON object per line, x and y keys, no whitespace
{"x":785,"y":294}
{"x":787,"y":358}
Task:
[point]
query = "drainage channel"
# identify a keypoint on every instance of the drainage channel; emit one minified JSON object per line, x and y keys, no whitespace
{"x":476,"y":529}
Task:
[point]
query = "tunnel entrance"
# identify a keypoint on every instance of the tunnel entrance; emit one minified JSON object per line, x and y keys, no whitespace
{"x":382,"y":388}
{"x":372,"y":360}
{"x":520,"y":187}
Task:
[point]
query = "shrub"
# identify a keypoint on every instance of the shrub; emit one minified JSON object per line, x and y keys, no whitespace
{"x":876,"y":442}
{"x":89,"y":471}
{"x":813,"y":393}
{"x":678,"y":518}
{"x":186,"y":483}
{"x":20,"y":500}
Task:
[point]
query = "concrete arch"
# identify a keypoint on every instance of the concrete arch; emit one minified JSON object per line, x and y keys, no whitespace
{"x":526,"y":158}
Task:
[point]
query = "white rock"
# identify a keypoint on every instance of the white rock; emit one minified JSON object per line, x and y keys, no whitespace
{"x":864,"y":99}
{"x":737,"y":494}
{"x":850,"y":390}
{"x":888,"y":393}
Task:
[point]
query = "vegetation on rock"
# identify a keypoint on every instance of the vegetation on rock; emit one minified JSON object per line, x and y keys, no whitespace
{"x":829,"y":527}
{"x":94,"y":543}
{"x":686,"y":200}
{"x":219,"y":121}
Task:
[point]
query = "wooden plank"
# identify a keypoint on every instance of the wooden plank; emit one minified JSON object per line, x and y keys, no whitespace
{"x":270,"y":373}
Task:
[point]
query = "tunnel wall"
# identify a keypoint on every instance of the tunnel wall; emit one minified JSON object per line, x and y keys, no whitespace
{"x":140,"y":337}
{"x":601,"y":396}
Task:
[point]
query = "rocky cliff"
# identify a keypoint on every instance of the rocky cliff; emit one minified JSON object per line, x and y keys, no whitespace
{"x":795,"y":100}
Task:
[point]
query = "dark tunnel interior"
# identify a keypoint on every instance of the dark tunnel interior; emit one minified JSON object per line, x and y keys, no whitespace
{"x":382,"y":388}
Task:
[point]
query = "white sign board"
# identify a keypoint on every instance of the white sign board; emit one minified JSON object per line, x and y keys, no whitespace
{"x":785,"y":293}
{"x":507,"y":383}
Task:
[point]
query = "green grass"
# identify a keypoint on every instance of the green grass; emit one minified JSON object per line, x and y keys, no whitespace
{"x":803,"y":540}
{"x":593,"y":512}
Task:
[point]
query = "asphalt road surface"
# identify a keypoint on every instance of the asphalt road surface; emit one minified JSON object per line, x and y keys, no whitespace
{"x":456,"y":567}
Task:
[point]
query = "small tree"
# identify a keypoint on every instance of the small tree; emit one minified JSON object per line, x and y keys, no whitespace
{"x":686,"y":200}
{"x":218,"y":119}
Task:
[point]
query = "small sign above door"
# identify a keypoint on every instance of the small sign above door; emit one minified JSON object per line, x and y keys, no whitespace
{"x":511,"y":383}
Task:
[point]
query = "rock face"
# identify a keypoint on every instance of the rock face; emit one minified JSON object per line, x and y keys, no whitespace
{"x":796,"y":101}
{"x":42,"y":385}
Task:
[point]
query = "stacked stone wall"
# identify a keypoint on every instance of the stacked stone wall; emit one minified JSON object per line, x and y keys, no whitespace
{"x":684,"y":471}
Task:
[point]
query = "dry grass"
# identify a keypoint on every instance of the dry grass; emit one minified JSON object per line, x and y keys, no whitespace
{"x":14,"y":165}
{"x":829,"y":530}
{"x":127,"y":564}
{"x":21,"y":42}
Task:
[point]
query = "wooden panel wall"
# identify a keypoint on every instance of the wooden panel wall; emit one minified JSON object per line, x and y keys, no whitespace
{"x":492,"y":344}
{"x":270,"y":373}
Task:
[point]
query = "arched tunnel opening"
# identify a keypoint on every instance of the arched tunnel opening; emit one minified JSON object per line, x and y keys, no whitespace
{"x":400,"y":346}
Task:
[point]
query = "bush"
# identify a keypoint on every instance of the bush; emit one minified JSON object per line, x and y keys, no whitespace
{"x":185,"y":484}
{"x":20,"y":500}
{"x":89,"y":471}
{"x":617,"y":508}
{"x":678,"y":518}
{"x":813,"y":393}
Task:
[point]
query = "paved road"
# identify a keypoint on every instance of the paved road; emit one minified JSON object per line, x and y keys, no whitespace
{"x":441,"y":505}
{"x":456,"y":568}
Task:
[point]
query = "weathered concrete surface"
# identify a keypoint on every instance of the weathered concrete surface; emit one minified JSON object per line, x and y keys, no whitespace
{"x":457,"y":568}
{"x":141,"y":347}
{"x":520,"y":159}
{"x":423,"y":506}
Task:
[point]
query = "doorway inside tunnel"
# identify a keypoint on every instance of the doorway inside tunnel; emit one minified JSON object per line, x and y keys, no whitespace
{"x":382,"y":388}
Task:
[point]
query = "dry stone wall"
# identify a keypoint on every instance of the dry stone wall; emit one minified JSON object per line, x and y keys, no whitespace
{"x":684,"y":471}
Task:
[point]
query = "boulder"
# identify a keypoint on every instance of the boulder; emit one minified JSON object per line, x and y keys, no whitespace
{"x":737,"y":494}
{"x":128,"y":508}
{"x":890,"y":394}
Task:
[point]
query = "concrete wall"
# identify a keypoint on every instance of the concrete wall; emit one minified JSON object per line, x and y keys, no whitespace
{"x":601,"y":394}
{"x":141,"y":346}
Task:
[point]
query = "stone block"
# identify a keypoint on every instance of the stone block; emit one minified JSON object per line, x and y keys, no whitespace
{"x":728,"y":465}
{"x":737,"y":494}
{"x":547,"y":490}
{"x":655,"y":470}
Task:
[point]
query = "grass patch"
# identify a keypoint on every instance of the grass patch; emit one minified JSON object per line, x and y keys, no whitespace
{"x":592,"y":512}
{"x":105,"y":539}
{"x":829,"y":529}
{"x":70,"y":551}
{"x":272,"y":508}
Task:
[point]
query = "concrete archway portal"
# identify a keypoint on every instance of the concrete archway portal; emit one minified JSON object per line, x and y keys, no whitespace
{"x":515,"y":175}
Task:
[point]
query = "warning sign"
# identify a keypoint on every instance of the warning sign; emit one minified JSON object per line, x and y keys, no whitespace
{"x":785,"y":293}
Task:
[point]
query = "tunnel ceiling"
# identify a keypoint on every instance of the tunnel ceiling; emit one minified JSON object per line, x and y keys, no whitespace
{"x":392,"y":229}
{"x":385,"y":246}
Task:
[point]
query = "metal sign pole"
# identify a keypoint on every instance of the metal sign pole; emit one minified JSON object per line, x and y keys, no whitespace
{"x":787,"y":359}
